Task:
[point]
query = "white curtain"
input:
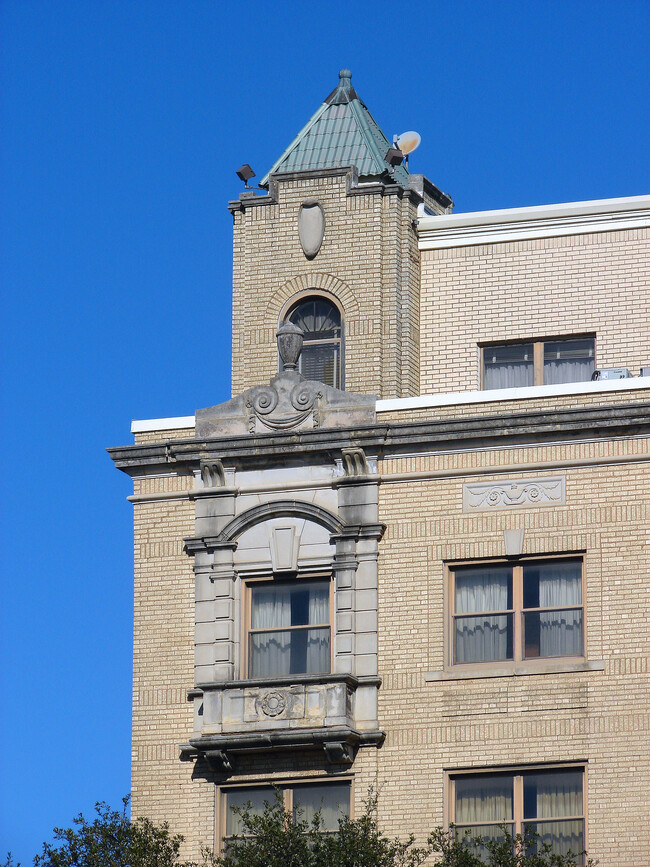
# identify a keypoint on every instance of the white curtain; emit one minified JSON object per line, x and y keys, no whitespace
{"x":508,"y":375}
{"x":484,"y":638}
{"x":483,"y":799}
{"x":556,"y":795}
{"x":567,"y":370}
{"x":331,"y":799}
{"x":318,"y":640}
{"x":560,"y":632}
{"x":270,"y":651}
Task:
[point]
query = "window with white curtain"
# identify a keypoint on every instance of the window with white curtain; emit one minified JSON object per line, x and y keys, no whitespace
{"x":528,"y":610}
{"x":545,"y":802}
{"x":538,"y":362}
{"x":289,"y":627}
{"x":303,"y":800}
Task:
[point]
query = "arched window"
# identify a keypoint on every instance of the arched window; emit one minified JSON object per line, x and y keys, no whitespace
{"x":320,"y":321}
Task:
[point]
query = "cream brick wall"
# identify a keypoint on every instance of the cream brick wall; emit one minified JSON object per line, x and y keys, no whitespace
{"x":550,"y":287}
{"x":601,"y":717}
{"x":598,"y":716}
{"x":163,"y":666}
{"x":368,"y":260}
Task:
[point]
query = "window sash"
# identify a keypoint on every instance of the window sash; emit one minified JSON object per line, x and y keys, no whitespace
{"x":516,"y":632}
{"x":555,"y":797}
{"x":335,"y":801}
{"x":288,"y":627}
{"x":540,"y":362}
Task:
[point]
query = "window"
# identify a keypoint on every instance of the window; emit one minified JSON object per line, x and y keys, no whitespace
{"x":289,"y":628}
{"x":303,"y":800}
{"x":530,"y":610}
{"x":320,"y":321}
{"x":540,"y":362}
{"x":546,"y":802}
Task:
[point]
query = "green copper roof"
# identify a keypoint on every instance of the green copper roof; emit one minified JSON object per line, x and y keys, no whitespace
{"x":341,"y":133}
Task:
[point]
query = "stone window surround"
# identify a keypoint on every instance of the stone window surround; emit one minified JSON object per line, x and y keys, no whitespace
{"x":349,"y":694}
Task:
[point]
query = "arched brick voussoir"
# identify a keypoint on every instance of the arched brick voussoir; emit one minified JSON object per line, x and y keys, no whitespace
{"x":319,"y":281}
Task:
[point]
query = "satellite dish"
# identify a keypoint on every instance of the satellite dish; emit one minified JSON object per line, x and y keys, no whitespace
{"x":407,"y":142}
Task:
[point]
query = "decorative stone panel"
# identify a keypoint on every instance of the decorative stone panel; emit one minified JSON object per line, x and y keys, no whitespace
{"x":514,"y":494}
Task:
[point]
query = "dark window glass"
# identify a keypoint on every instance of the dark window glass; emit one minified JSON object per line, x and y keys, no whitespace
{"x":509,"y":366}
{"x":320,"y":321}
{"x":568,"y":360}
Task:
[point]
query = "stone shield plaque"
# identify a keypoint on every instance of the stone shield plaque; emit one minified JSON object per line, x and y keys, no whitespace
{"x":311,"y":227}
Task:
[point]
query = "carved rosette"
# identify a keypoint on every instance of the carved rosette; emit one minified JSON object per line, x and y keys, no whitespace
{"x":273,"y":703}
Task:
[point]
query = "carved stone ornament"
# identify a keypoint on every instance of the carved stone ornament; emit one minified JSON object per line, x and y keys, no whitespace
{"x":514,"y":494}
{"x":289,"y":403}
{"x":273,"y":703}
{"x":311,"y":227}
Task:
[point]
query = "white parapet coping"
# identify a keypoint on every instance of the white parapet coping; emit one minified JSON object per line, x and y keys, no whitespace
{"x":456,"y":398}
{"x":541,"y":221}
{"x":150,"y":424}
{"x":496,"y":395}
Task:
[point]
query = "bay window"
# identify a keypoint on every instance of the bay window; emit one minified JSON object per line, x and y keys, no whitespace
{"x":529,"y":610}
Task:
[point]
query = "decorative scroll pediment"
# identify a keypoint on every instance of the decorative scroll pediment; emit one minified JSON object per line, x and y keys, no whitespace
{"x":288,"y":403}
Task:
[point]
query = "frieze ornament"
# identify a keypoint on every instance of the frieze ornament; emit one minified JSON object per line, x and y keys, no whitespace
{"x":273,"y":703}
{"x":514,"y":494}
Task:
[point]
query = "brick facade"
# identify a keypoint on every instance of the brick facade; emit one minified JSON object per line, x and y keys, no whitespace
{"x":381,"y":506}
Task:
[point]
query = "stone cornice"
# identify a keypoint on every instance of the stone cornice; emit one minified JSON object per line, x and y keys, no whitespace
{"x":394,"y":438}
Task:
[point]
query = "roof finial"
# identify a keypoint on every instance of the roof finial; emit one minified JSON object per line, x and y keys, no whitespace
{"x":345,"y":75}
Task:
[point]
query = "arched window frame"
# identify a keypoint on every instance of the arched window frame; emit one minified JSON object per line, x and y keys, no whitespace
{"x":301,"y":298}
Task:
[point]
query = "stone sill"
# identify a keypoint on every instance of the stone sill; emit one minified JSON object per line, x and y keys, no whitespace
{"x":514,"y":669}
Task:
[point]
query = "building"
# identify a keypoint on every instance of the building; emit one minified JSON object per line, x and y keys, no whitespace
{"x":416,"y":558}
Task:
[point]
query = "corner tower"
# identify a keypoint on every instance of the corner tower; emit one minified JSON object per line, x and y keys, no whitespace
{"x":329,"y":243}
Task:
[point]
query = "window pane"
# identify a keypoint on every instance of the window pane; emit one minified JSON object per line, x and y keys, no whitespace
{"x":291,"y":651}
{"x":331,"y":799}
{"x":239,"y":798}
{"x":553,"y":633}
{"x":491,"y":832}
{"x":555,"y":584}
{"x":299,"y":604}
{"x":568,"y":360}
{"x":508,"y":366}
{"x":483,"y":799}
{"x":553,"y":794}
{"x":484,"y":638}
{"x":562,"y":837}
{"x":320,"y":361}
{"x":482,"y":588}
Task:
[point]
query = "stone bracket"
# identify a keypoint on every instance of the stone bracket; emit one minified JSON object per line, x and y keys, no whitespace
{"x":339,"y":745}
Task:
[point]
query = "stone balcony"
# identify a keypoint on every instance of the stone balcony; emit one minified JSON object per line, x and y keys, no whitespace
{"x":332,"y":712}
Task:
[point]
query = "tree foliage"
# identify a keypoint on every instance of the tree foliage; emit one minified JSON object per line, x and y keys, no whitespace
{"x":112,"y":840}
{"x":275,"y":838}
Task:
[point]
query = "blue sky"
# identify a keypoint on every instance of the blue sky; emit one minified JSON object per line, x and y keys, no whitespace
{"x":123,"y":123}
